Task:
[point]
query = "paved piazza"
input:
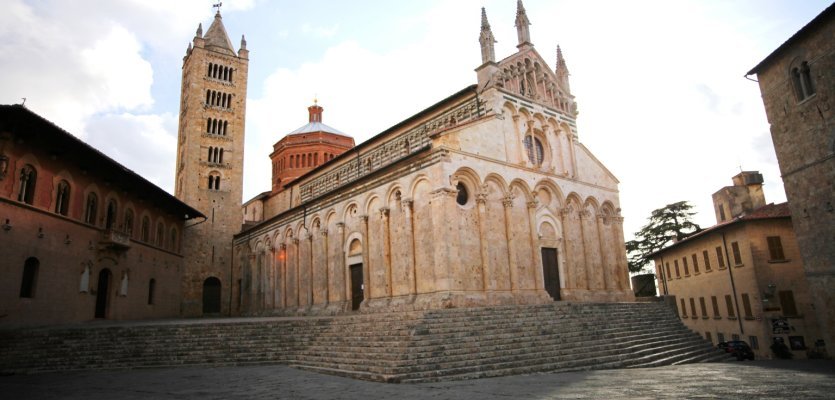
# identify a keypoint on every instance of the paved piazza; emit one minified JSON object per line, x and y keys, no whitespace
{"x":799,"y":379}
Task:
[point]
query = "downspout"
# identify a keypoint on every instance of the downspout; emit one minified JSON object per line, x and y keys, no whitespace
{"x":733,"y":286}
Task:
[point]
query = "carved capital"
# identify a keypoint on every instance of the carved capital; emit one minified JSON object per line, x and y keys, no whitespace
{"x":481,"y":198}
{"x":566,"y":211}
{"x":340,"y":225}
{"x":323,"y":232}
{"x":584,"y":214}
{"x":384,"y":212}
{"x":295,"y":241}
{"x":407,"y":203}
{"x":533,"y":204}
{"x":364,"y":218}
{"x":507,"y":201}
{"x":282,"y":246}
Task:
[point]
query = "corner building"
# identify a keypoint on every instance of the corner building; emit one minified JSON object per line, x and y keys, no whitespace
{"x":486,"y":197}
{"x":797,"y":82}
{"x":82,"y":236}
{"x":209,"y":166}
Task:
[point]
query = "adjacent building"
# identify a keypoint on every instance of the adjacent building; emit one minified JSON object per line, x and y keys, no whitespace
{"x":486,"y":197}
{"x":83,"y":237}
{"x":742,"y":278}
{"x":797,"y":82}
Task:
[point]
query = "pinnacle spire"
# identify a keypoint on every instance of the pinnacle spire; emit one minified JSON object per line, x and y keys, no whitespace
{"x":217,"y":38}
{"x":522,"y":23}
{"x":199,"y":32}
{"x":243,"y":42}
{"x":486,"y":39}
{"x":562,"y":70}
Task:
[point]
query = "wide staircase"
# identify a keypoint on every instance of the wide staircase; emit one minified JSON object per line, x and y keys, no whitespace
{"x":419,"y":346}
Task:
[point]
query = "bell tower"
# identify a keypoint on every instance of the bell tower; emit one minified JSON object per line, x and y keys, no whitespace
{"x":209,"y":171}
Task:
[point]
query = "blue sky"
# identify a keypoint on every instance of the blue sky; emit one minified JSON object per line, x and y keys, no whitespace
{"x":662,"y":98}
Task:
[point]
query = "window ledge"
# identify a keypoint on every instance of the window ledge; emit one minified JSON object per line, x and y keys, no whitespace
{"x":705,"y":317}
{"x":717,"y":317}
{"x":749,"y":318}
{"x":739,"y":265}
{"x":783,"y":261}
{"x":732,"y":318}
{"x":807,"y":98}
{"x":697,"y":273}
{"x":695,"y":317}
{"x":708,"y":270}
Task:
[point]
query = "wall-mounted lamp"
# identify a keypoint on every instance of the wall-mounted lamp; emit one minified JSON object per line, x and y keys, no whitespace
{"x":40,"y":232}
{"x":7,"y":226}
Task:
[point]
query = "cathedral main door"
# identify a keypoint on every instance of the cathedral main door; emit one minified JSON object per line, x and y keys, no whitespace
{"x":551,"y":272}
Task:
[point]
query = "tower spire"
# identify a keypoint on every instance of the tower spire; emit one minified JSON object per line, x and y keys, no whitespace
{"x":486,"y":39}
{"x":562,"y":70}
{"x":522,"y":23}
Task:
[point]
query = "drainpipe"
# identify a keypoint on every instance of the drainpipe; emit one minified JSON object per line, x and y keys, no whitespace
{"x":733,"y":286}
{"x":664,"y":275}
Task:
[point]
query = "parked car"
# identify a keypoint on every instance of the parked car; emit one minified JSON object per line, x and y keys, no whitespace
{"x":737,"y":348}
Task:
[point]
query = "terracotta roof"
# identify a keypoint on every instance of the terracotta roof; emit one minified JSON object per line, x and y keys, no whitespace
{"x":53,"y":140}
{"x":768,"y":211}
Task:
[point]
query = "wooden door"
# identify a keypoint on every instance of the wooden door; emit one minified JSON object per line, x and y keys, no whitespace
{"x":102,"y":293}
{"x":357,"y":286}
{"x":551,"y":272}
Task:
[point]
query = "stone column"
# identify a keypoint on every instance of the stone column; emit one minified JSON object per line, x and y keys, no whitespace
{"x":445,"y":236}
{"x":536,"y":254}
{"x":571,"y":138}
{"x":298,"y":273}
{"x":481,"y":203}
{"x":410,"y":230}
{"x":272,"y":284}
{"x":252,"y":295}
{"x":312,"y":268}
{"x":621,"y":262}
{"x":366,"y":273}
{"x":384,"y":216}
{"x":324,"y":233}
{"x":519,"y":137}
{"x":507,"y":202}
{"x":584,"y":216}
{"x":601,"y":234}
{"x":565,"y":214}
{"x":346,"y":282}
{"x":282,"y":255}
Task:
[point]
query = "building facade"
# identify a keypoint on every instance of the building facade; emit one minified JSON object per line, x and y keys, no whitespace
{"x":209,"y":170}
{"x":83,"y":237}
{"x":797,"y":82}
{"x":487,"y":197}
{"x":743,"y":278}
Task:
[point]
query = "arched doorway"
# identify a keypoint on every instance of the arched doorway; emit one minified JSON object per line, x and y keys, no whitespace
{"x":356,"y":274}
{"x":211,"y":296}
{"x":103,"y":293}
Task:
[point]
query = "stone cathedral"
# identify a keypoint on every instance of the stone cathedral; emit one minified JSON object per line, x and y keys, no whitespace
{"x":486,"y":197}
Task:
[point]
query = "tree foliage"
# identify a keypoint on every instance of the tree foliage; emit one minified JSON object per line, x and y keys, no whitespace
{"x":671,"y":222}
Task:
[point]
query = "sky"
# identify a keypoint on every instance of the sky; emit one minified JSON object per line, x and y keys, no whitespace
{"x":660,"y":86}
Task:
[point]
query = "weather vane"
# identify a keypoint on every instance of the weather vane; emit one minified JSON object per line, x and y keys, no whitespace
{"x":218,"y":5}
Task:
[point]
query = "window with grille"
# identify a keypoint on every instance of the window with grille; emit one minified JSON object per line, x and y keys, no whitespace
{"x":535,"y":150}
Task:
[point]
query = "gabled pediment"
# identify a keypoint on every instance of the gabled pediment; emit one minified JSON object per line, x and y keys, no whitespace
{"x":526,"y":73}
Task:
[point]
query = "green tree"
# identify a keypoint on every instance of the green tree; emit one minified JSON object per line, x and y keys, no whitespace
{"x":673,"y":221}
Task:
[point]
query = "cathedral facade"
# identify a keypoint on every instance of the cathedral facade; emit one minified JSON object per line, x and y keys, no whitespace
{"x":486,"y":197}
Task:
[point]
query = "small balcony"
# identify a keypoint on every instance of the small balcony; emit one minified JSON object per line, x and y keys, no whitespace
{"x":115,"y":239}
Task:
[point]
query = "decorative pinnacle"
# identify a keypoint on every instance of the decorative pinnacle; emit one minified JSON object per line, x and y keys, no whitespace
{"x":243,"y":42}
{"x":199,"y":30}
{"x":484,"y":24}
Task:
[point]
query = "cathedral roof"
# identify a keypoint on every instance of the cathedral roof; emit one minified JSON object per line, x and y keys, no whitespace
{"x":216,"y":37}
{"x":311,"y":127}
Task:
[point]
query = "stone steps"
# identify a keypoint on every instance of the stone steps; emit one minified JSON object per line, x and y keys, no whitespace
{"x":417,"y":346}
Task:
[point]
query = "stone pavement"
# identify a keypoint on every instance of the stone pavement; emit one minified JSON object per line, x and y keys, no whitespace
{"x":766,"y":379}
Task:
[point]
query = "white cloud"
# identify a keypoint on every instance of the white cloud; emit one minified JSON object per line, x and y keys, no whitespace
{"x":143,"y":143}
{"x":123,"y":78}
